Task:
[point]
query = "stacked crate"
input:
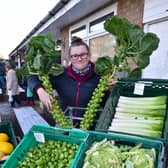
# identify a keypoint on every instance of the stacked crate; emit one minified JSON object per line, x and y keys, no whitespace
{"x":126,"y":87}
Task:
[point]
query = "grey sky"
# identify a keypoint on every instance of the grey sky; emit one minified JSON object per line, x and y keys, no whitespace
{"x":18,"y":18}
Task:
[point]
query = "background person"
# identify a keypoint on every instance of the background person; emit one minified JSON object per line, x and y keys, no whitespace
{"x":12,"y":85}
{"x":29,"y":97}
{"x":2,"y":76}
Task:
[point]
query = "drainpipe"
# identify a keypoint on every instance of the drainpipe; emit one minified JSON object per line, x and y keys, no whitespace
{"x":18,"y":59}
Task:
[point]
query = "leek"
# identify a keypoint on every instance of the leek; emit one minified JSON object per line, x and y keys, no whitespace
{"x":137,"y":131}
{"x":137,"y":116}
{"x":130,"y":125}
{"x":155,"y":100}
{"x":140,"y":121}
{"x":142,"y":106}
{"x":143,"y":111}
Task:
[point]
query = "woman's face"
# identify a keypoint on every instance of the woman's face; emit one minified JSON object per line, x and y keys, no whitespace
{"x":79,"y":57}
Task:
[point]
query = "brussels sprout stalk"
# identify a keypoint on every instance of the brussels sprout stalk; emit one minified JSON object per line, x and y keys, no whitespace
{"x":41,"y":59}
{"x":132,"y":43}
{"x":56,"y":111}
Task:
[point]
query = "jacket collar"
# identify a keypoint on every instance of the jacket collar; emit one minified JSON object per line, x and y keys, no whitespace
{"x":76,"y":76}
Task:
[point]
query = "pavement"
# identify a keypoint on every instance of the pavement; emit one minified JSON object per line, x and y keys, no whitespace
{"x":7,"y":114}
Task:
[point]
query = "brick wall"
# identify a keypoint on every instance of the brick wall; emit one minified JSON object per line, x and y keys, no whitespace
{"x":65,"y":45}
{"x":132,"y":10}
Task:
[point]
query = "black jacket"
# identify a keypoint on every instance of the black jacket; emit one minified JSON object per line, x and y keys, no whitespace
{"x":73,"y":90}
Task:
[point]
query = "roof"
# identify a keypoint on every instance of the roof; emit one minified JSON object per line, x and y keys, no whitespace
{"x":63,"y":14}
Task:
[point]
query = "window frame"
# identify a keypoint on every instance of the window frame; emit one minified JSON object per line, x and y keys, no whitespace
{"x":93,"y":18}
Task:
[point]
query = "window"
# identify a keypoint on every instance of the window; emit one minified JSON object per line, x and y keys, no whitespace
{"x":101,"y":46}
{"x":80,"y":32}
{"x":92,"y":31}
{"x":98,"y":24}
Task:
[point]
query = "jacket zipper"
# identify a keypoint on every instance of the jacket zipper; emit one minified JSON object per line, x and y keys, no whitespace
{"x":77,"y":93}
{"x":77,"y":96}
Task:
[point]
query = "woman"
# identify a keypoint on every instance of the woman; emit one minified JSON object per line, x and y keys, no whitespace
{"x":76,"y":85}
{"x":12,"y":85}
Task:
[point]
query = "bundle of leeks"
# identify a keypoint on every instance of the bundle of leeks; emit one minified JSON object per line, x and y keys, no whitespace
{"x":140,"y":115}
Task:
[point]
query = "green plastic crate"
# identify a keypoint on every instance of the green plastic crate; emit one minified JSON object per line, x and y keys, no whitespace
{"x":125,"y":87}
{"x":7,"y":127}
{"x":121,"y":139}
{"x":50,"y":133}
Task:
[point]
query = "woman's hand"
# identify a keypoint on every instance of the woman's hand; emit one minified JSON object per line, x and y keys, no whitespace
{"x":112,"y":81}
{"x":45,"y":98}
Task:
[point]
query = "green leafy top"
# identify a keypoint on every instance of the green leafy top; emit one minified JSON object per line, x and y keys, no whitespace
{"x":104,"y":65}
{"x":41,"y":56}
{"x":131,"y":44}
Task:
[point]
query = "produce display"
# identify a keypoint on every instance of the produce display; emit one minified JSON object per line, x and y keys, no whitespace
{"x":5,"y":146}
{"x":51,"y":147}
{"x":48,"y":147}
{"x":107,"y":154}
{"x":41,"y":61}
{"x":140,"y":115}
{"x":50,"y":154}
{"x":133,"y":46}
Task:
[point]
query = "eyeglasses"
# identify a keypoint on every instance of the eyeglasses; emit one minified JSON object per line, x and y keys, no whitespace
{"x":76,"y":56}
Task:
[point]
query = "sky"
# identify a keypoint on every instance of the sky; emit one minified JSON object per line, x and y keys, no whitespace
{"x":18,"y":18}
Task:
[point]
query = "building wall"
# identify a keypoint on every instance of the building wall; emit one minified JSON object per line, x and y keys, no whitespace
{"x":132,"y":10}
{"x":155,"y":20}
{"x":64,"y":45}
{"x":155,"y":10}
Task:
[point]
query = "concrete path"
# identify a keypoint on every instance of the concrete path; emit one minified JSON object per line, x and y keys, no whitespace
{"x":7,"y":114}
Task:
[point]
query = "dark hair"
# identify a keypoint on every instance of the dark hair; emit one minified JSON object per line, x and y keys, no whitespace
{"x":77,"y":41}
